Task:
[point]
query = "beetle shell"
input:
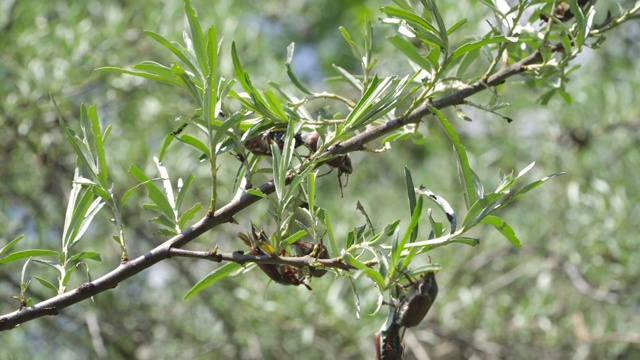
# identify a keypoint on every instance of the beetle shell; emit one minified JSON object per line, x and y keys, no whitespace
{"x":307,"y":248}
{"x":389,"y":342}
{"x":417,"y":305}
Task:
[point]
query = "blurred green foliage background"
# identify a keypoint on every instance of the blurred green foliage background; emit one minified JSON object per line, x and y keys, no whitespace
{"x":573,"y":290}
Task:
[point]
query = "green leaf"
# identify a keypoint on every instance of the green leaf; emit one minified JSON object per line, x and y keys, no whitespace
{"x":415,"y":219}
{"x":410,"y":18}
{"x":195,"y":142}
{"x":143,"y":74}
{"x":363,"y":269}
{"x":164,"y":42}
{"x":357,"y":84}
{"x":182,"y":190}
{"x":46,"y":284}
{"x":326,"y":221}
{"x":476,"y":45}
{"x":411,"y":195}
{"x":197,"y":37}
{"x":442,"y":29}
{"x":165,"y":221}
{"x":11,"y":243}
{"x":188,"y":81}
{"x":292,"y":76}
{"x":576,"y":10}
{"x":275,"y":106}
{"x":222,"y":131}
{"x":102,"y":193}
{"x":209,"y":110}
{"x":163,"y":73}
{"x":396,"y":249}
{"x":354,"y":47}
{"x":468,"y":59}
{"x":464,"y":170}
{"x":279,"y":175}
{"x":27,"y":253}
{"x":188,"y":215}
{"x":75,"y":220}
{"x":295,"y":237}
{"x":241,"y":75}
{"x":466,"y":240}
{"x":213,"y":47}
{"x":456,"y":26}
{"x":528,"y":188}
{"x":87,"y":218}
{"x":371,"y":105}
{"x":282,"y":163}
{"x":373,"y":275}
{"x":437,"y":229}
{"x":83,"y":156}
{"x":91,"y":255}
{"x":410,"y":51}
{"x":311,"y":191}
{"x":103,"y":173}
{"x":155,"y":194}
{"x":504,"y":229}
{"x":479,"y":209}
{"x":213,"y":277}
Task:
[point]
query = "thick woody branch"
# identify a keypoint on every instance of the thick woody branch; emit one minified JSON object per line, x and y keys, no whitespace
{"x":225,"y":214}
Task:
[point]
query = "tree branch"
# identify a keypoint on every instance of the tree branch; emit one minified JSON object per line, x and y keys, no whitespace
{"x":242,"y":258}
{"x":225,"y":214}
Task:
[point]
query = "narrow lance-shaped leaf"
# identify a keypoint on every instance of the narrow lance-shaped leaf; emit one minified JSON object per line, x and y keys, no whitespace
{"x":465,"y":172}
{"x":289,"y":65}
{"x":213,"y":277}
{"x":410,"y":51}
{"x":183,"y":187}
{"x":167,"y":44}
{"x":84,"y":157}
{"x":194,"y":142}
{"x":27,"y":253}
{"x":197,"y":37}
{"x":212,"y":54}
{"x":504,"y":229}
{"x":188,"y":215}
{"x":103,"y":173}
{"x":91,"y":212}
{"x":411,"y":195}
{"x":525,"y":189}
{"x":188,"y":81}
{"x":352,"y":80}
{"x":74,"y":224}
{"x":155,"y":194}
{"x":468,"y":47}
{"x":442,"y":29}
{"x":11,"y":243}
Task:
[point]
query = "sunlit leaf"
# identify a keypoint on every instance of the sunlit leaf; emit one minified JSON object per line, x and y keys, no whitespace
{"x":28,"y":253}
{"x":465,"y":172}
{"x":11,"y":243}
{"x":213,"y":277}
{"x":504,"y":229}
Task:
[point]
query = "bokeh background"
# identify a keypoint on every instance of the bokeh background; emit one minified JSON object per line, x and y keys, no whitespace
{"x":572,"y":291}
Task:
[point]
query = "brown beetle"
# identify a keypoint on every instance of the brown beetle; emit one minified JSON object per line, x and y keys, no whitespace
{"x":261,"y":144}
{"x":259,"y":244}
{"x":388,"y":340}
{"x":416,"y":306}
{"x":318,"y":251}
{"x":341,"y":162}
